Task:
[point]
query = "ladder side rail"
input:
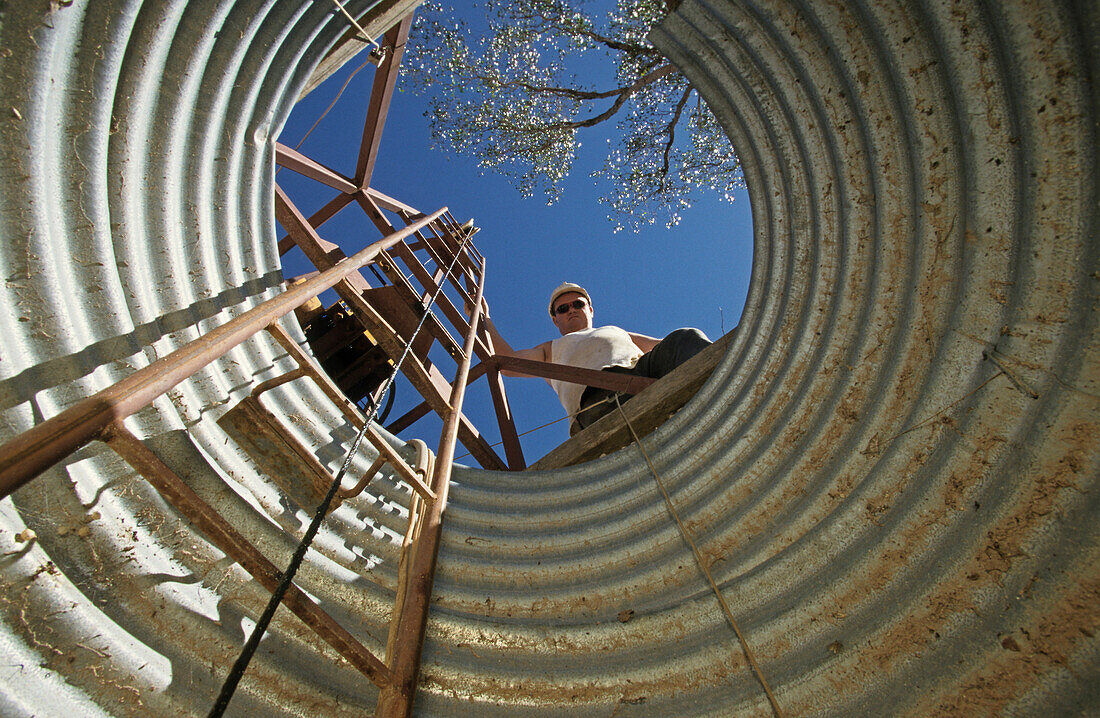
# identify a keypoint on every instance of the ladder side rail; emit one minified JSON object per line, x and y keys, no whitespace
{"x":441,"y":256}
{"x":412,"y":297}
{"x":397,"y":698}
{"x":43,"y":445}
{"x":451,"y":236}
{"x":428,"y":240}
{"x":425,"y":466}
{"x":438,"y":250}
{"x":418,"y":301}
{"x":457,"y":319}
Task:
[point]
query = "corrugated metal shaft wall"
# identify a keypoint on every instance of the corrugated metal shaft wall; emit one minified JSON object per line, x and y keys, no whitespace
{"x":893,"y":472}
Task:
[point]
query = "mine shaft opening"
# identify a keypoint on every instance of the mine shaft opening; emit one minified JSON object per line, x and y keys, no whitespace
{"x":895,"y":492}
{"x":693,"y":273}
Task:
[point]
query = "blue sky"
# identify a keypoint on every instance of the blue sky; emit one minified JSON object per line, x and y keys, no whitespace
{"x":695,"y":274}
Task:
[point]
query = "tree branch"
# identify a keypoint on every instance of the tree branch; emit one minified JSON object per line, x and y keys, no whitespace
{"x":623,"y":95}
{"x":628,"y":47}
{"x":554,"y":23}
{"x":566,"y":91}
{"x":672,"y":131}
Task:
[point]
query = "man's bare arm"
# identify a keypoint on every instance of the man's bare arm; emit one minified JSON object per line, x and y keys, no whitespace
{"x":503,"y":348}
{"x":643,"y":342}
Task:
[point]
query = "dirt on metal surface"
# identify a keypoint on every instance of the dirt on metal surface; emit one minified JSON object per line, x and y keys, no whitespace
{"x":893,"y":472}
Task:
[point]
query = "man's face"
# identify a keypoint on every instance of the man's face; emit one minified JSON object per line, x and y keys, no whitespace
{"x":573,"y":318}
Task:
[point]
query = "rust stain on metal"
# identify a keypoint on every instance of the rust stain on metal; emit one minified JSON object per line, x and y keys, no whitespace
{"x":922,"y":181}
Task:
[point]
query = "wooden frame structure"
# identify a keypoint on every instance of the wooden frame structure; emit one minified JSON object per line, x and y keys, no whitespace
{"x":389,"y":312}
{"x":102,"y":416}
{"x":438,"y":254}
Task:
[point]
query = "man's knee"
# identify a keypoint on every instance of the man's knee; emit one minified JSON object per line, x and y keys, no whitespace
{"x":675,"y":349}
{"x":683,"y":344}
{"x":689,"y":338}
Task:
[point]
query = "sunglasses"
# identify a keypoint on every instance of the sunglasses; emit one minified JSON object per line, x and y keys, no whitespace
{"x":575,"y":304}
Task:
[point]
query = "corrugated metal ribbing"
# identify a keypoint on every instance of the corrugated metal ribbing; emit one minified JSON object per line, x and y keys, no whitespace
{"x":137,"y":214}
{"x":893,"y":472}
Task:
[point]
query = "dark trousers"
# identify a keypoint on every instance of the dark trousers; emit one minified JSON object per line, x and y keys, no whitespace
{"x":671,"y":352}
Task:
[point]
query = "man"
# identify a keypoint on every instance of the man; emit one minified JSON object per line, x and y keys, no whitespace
{"x":608,"y":348}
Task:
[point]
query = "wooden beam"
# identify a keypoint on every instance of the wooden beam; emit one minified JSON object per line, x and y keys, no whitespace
{"x":646,"y":411}
{"x":376,"y":21}
{"x":574,"y":374}
{"x":321,"y":252}
{"x":389,"y":203}
{"x":318,"y":218}
{"x":513,"y":451}
{"x":419,"y":411}
{"x":385,"y":79}
{"x":409,"y":418}
{"x":295,"y":161}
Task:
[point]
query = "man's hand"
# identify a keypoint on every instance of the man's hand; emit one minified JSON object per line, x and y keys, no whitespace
{"x":501,"y":347}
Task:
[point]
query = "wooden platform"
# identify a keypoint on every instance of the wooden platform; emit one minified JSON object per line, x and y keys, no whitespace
{"x":646,"y":411}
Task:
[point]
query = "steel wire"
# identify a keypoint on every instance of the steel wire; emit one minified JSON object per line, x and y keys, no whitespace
{"x":229,"y":686}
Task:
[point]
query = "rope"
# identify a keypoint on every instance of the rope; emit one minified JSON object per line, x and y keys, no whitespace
{"x":241,"y":664}
{"x":356,"y":24}
{"x":703,"y":566}
{"x":327,"y":110}
{"x":928,"y":420}
{"x":343,"y":87}
{"x":549,"y":423}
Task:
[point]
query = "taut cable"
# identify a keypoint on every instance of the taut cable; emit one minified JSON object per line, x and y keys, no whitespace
{"x":703,"y":566}
{"x":237,"y":672}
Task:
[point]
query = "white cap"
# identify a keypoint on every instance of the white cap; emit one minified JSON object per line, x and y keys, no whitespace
{"x":563,"y":289}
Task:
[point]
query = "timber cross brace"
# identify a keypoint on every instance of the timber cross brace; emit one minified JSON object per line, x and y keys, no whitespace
{"x":426,"y":266}
{"x":876,"y":500}
{"x":385,"y":313}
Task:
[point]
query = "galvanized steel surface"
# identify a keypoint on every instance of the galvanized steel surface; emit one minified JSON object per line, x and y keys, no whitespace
{"x":894,"y":471}
{"x":137,"y":142}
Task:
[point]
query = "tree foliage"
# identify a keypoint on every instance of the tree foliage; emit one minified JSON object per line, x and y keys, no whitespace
{"x":517,"y":92}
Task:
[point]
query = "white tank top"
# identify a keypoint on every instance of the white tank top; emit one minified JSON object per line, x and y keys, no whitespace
{"x":594,"y":348}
